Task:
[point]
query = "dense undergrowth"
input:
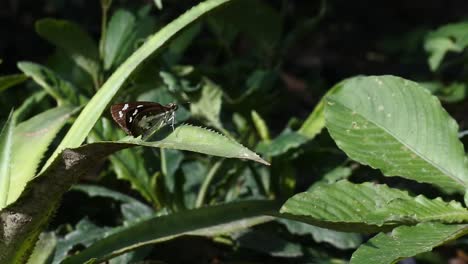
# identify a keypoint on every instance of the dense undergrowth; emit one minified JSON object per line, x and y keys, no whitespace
{"x":372,"y":169}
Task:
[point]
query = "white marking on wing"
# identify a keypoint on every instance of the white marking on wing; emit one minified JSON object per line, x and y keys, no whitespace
{"x":120,"y":114}
{"x":125,"y":107}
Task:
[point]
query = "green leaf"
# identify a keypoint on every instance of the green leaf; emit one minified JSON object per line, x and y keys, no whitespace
{"x":127,"y":31}
{"x":208,"y":106}
{"x":451,"y":37}
{"x":288,"y":140}
{"x":72,"y":39}
{"x":397,"y":126}
{"x":28,"y":106}
{"x":120,"y":27}
{"x":31,"y":140}
{"x":86,"y":233}
{"x":8,"y":81}
{"x":61,"y":90}
{"x":315,"y":122}
{"x":128,"y":165}
{"x":339,"y":240}
{"x":6,"y":149}
{"x":405,"y":242}
{"x":451,"y":93}
{"x":368,"y":207}
{"x":99,"y":191}
{"x":132,"y":209}
{"x":44,"y":249}
{"x":261,"y":126}
{"x":336,"y":174}
{"x":203,"y":221}
{"x":90,"y":114}
{"x":158,"y":4}
{"x":197,"y":139}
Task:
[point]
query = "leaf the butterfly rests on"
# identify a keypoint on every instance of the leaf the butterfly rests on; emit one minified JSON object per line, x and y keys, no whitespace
{"x":143,"y":118}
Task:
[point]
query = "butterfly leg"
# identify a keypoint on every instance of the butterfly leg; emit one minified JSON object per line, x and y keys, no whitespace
{"x":172,"y":120}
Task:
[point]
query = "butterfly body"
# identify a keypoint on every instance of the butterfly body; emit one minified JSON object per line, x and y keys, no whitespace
{"x":143,"y":118}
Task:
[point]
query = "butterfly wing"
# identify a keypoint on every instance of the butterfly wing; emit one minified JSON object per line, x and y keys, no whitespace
{"x":137,"y":117}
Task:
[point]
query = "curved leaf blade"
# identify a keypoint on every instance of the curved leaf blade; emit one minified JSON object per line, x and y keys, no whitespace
{"x":61,"y":90}
{"x":368,"y":207}
{"x":405,"y":242}
{"x":201,"y":140}
{"x":6,"y":149}
{"x":202,"y":221}
{"x":31,"y":140}
{"x":397,"y":126}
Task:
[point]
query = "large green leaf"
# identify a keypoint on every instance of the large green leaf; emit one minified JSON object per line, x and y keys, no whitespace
{"x":197,"y":139}
{"x":71,"y":38}
{"x":404,"y":242}
{"x":61,"y":90}
{"x":31,"y":140}
{"x":6,"y":147}
{"x":397,"y":126}
{"x":368,"y":207}
{"x":452,"y":37}
{"x":90,"y":114}
{"x":202,"y":221}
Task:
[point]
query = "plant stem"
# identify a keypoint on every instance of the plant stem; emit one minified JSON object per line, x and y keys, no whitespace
{"x":206,"y":183}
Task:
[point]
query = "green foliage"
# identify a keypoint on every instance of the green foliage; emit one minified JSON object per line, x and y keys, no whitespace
{"x":237,"y":71}
{"x":370,"y":112}
{"x":452,"y":37}
{"x":369,"y":207}
{"x":406,"y":242}
{"x":61,"y":90}
{"x":6,"y":145}
{"x":31,"y":140}
{"x":203,"y":221}
{"x":364,"y":115}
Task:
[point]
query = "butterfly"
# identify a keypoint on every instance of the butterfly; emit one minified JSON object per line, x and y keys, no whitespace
{"x":143,"y":118}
